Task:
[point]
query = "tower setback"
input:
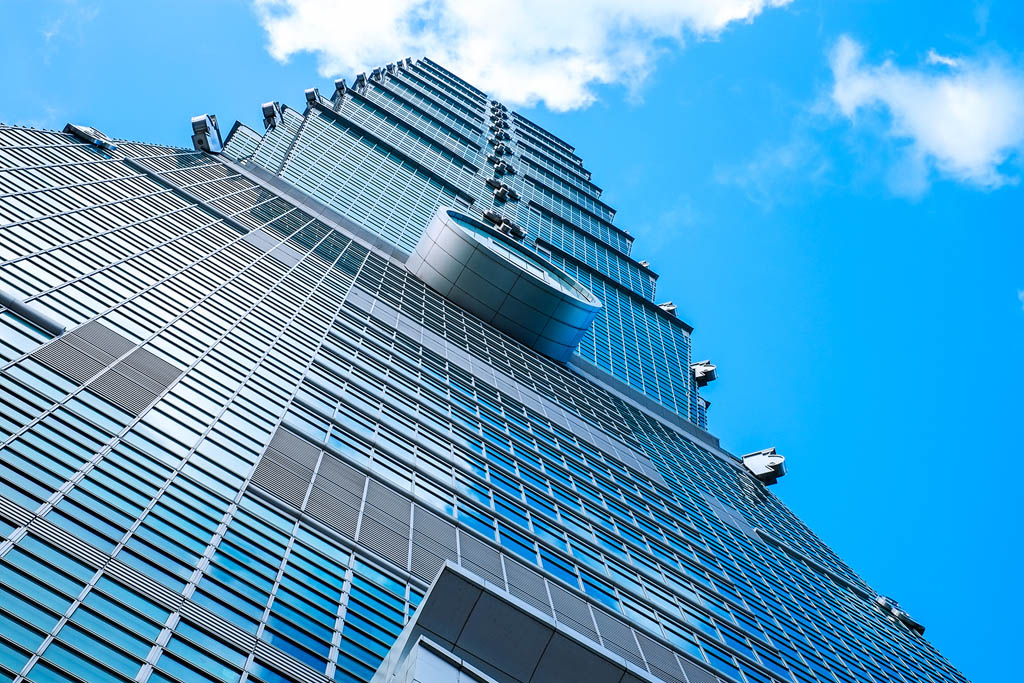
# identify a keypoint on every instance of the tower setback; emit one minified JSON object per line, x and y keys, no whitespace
{"x":379,"y":392}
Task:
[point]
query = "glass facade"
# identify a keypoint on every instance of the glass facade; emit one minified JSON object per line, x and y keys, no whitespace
{"x":259,"y":437}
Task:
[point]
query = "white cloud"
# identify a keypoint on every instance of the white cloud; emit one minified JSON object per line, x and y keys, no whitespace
{"x":964,"y":120}
{"x":522,"y":52}
{"x":982,"y":12}
{"x":54,"y":28}
{"x":935,"y":58}
{"x":770,"y":177}
{"x":1020,"y":296}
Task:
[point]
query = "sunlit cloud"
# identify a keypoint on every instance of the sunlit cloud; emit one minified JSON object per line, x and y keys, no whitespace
{"x":773,"y":173}
{"x":520,"y":52}
{"x":960,"y":118}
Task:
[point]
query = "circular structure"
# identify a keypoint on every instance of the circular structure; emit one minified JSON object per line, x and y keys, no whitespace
{"x":500,"y":281}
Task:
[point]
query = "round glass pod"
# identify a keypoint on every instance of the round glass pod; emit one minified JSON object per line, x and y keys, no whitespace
{"x":498,"y":280}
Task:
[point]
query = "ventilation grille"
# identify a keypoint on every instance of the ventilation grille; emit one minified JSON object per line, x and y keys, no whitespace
{"x":135,"y":382}
{"x":286,"y":469}
{"x":385,"y":525}
{"x":481,"y":559}
{"x":528,"y":586}
{"x":572,"y":611}
{"x":284,"y":483}
{"x":697,"y":674}
{"x":131,"y":384}
{"x":421,"y":541}
{"x":68,"y":361}
{"x":433,"y":543}
{"x":102,"y":338}
{"x":122,"y":391}
{"x":660,"y":660}
{"x":618,"y":638}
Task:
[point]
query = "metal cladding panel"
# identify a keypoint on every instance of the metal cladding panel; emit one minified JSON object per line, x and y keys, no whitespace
{"x":500,"y":282}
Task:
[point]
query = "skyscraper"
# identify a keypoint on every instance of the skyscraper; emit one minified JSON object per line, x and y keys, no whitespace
{"x":379,"y":392}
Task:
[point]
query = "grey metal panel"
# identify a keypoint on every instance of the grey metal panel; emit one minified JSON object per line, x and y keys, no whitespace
{"x":138,"y":378}
{"x":696,"y":674}
{"x":433,"y":542}
{"x":528,"y":586}
{"x":153,"y":367}
{"x":295,"y":447}
{"x":341,"y":475}
{"x":660,"y":660}
{"x":385,"y":524}
{"x":102,"y":337}
{"x":333,"y":512}
{"x":68,"y":361}
{"x":536,"y":304}
{"x":280,"y":481}
{"x":383,"y":539}
{"x":572,"y":611}
{"x":618,"y":637}
{"x":123,"y":392}
{"x":480,"y":558}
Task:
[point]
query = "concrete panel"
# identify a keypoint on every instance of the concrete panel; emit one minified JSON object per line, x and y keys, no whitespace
{"x":447,"y":614}
{"x":512,"y":639}
{"x":566,"y":660}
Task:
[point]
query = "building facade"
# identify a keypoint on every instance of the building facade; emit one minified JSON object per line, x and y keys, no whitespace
{"x":379,"y":392}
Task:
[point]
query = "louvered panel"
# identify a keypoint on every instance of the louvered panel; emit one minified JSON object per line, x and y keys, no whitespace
{"x":122,"y":392}
{"x":139,"y":378}
{"x":381,"y":538}
{"x":333,"y":512}
{"x":618,"y":637}
{"x":425,"y":564}
{"x":388,"y":502}
{"x":152,"y":366}
{"x":697,"y":674}
{"x":480,"y":559}
{"x":527,"y":585}
{"x":67,"y":361}
{"x":281,"y":482}
{"x":660,"y":660}
{"x":433,"y":542}
{"x":342,"y":475}
{"x":103,"y":338}
{"x":572,"y":611}
{"x":295,"y":447}
{"x":434,"y":533}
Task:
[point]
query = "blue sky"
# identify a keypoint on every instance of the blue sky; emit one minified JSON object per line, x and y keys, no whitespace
{"x":830,"y":191}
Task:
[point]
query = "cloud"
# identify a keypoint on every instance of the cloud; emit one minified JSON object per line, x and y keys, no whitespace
{"x":935,"y":58}
{"x":49,"y":120}
{"x":769,"y":177}
{"x":677,"y":217}
{"x":54,"y":28}
{"x":1020,"y":296}
{"x":982,"y":11}
{"x":521,"y":52}
{"x":963,"y":120}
